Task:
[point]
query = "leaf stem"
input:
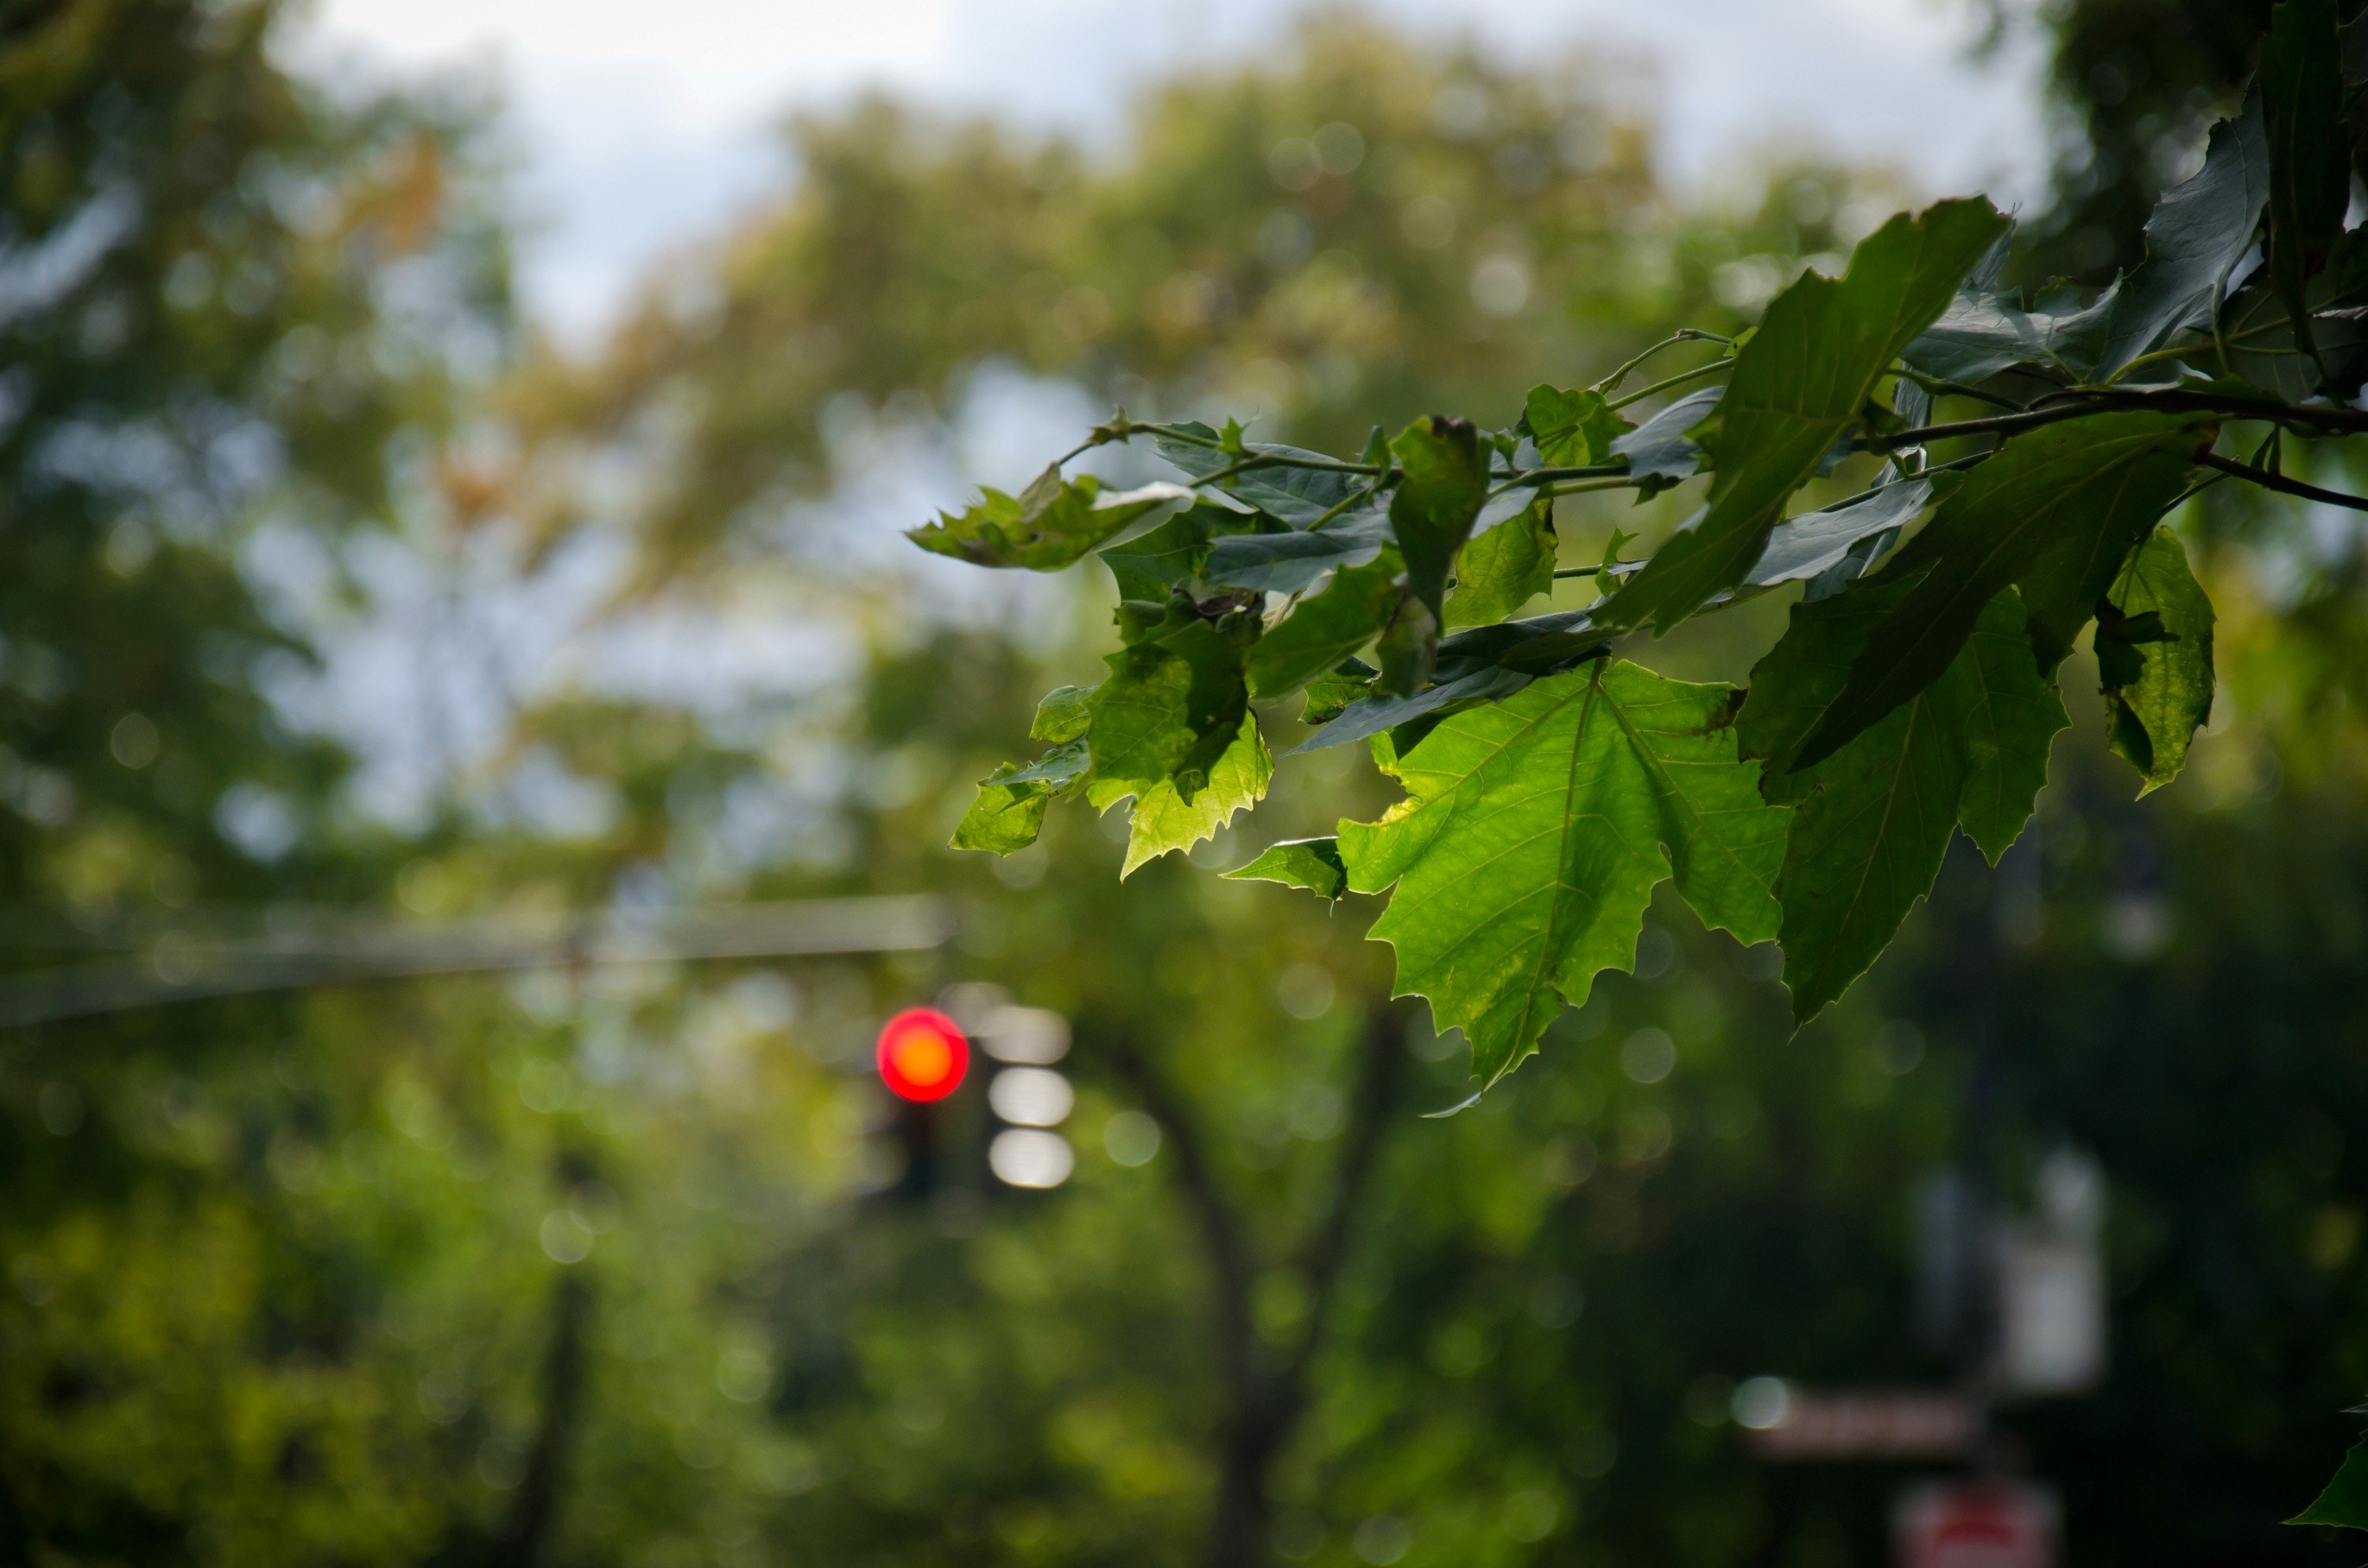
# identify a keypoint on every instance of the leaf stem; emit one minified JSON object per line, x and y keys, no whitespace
{"x":1681,"y":379}
{"x":1683,"y":335}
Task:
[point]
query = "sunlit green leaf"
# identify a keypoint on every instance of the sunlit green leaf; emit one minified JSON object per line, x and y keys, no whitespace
{"x":1009,"y":810}
{"x":1165,"y":819}
{"x":1046,"y":526}
{"x":1534,"y":830}
{"x":1504,"y":568}
{"x":2154,"y":660}
{"x":1798,"y":384}
{"x":1573,"y":429}
{"x":1310,"y":863}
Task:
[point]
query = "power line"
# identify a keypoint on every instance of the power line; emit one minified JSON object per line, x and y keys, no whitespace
{"x":184,"y":965}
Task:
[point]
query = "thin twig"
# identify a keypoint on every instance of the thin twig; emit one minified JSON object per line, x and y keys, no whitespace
{"x":2280,"y":484}
{"x":1683,"y":335}
{"x":1681,"y":379}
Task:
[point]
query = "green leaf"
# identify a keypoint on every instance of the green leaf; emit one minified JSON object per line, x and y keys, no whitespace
{"x":1164,"y":819}
{"x":1985,"y":330}
{"x":1009,"y":810}
{"x":1322,"y":631}
{"x":1873,"y":819}
{"x":1174,"y":701}
{"x":1838,"y":541}
{"x":2199,"y":231}
{"x":1504,"y":568}
{"x":1297,"y":496}
{"x":1064,"y":714}
{"x":1799,"y":382}
{"x":2345,"y":1501}
{"x":1046,"y":526}
{"x":1409,"y":648}
{"x":1291,"y":562}
{"x":1177,"y":551}
{"x":2004,"y":712}
{"x":1310,"y":863}
{"x":1330,"y":696}
{"x":2310,"y":163}
{"x":2154,"y":660}
{"x":1431,"y":511}
{"x":2054,"y":512}
{"x":1663,"y":447}
{"x":2259,"y":337}
{"x":1534,"y":830}
{"x":1573,"y":429}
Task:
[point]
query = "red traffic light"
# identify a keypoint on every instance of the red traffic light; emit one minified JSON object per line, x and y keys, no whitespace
{"x":923,"y":1055}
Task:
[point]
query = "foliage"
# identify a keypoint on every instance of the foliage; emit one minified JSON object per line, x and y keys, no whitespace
{"x":1909,"y":694}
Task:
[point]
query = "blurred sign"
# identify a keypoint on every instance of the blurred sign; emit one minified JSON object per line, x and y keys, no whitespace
{"x":1784,"y":1421}
{"x":2051,"y":1279}
{"x":1976,"y":1524}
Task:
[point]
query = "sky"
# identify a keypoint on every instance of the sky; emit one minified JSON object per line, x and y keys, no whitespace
{"x":640,"y":127}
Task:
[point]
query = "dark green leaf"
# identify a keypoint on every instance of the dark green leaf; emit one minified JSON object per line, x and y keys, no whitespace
{"x":1046,"y":526}
{"x":1373,"y":715}
{"x":1322,"y":631}
{"x":1983,"y":330}
{"x":2257,"y":332}
{"x":1816,"y":544}
{"x":2310,"y":164}
{"x":1799,"y":382}
{"x":1175,"y":553}
{"x":1409,"y":647}
{"x":1573,"y":429}
{"x":1434,"y":506}
{"x":2153,"y":659}
{"x":1329,"y":697}
{"x":1504,"y":568}
{"x":1534,"y":830}
{"x":2054,"y":512}
{"x":2354,"y":50}
{"x":1291,"y":562}
{"x":1295,"y":496}
{"x":1310,"y":863}
{"x":1874,"y":820}
{"x":1663,"y":446}
{"x":2199,"y":231}
{"x":2345,"y":1501}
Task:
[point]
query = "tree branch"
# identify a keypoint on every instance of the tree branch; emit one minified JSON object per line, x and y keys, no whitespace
{"x":2280,"y":484}
{"x":1379,"y":1069}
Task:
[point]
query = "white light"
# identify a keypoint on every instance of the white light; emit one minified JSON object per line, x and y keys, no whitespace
{"x":1762,"y":1402}
{"x":1025,"y":1157}
{"x":1030,"y":1097}
{"x":1037,"y":1036}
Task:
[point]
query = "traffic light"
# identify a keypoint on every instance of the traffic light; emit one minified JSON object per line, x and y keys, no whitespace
{"x":1027,"y":1097}
{"x":922,"y":1057}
